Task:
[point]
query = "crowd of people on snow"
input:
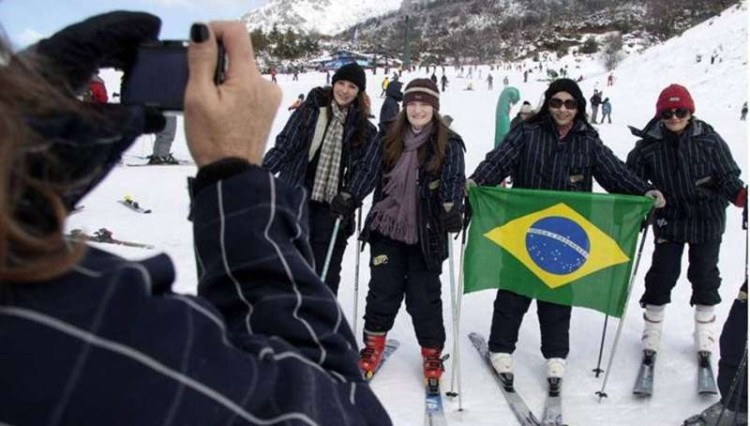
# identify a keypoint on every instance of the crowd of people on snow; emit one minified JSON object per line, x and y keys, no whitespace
{"x":264,"y":341}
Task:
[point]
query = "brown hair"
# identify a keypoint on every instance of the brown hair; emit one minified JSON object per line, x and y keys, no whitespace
{"x":393,"y":144}
{"x":30,"y":250}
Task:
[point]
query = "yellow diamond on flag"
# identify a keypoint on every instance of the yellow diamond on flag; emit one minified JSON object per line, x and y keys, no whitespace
{"x":558,"y":245}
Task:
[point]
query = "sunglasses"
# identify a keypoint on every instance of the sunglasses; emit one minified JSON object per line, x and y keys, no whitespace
{"x":679,"y":112}
{"x":556,"y":103}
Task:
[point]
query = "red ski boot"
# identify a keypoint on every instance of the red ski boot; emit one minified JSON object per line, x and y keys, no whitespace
{"x":371,"y":355}
{"x":433,"y":365}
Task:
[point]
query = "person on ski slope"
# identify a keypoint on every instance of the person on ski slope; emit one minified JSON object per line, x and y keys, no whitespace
{"x":606,"y":111}
{"x":524,"y":113}
{"x":693,"y":167}
{"x":419,"y":170}
{"x":391,"y":104}
{"x":320,"y":146}
{"x":95,"y":335}
{"x":559,"y":135}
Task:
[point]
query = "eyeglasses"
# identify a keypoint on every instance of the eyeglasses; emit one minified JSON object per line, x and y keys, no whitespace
{"x":556,"y":103}
{"x":679,"y":112}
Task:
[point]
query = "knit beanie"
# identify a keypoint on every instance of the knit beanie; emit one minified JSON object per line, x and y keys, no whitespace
{"x":422,"y":90}
{"x":674,"y":96}
{"x":353,"y":73}
{"x":570,"y":86}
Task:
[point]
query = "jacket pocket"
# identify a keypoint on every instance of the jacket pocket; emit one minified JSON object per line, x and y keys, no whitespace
{"x":579,"y":170}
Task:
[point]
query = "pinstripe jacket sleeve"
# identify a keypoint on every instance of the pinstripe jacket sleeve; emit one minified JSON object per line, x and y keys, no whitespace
{"x":726,"y":170}
{"x":453,"y":175}
{"x":500,"y":162}
{"x":365,"y":174}
{"x":613,"y":175}
{"x":288,"y":142}
{"x":250,"y":231}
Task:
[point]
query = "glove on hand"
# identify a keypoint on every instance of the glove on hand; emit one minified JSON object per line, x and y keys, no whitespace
{"x":451,"y":218}
{"x":658,"y":198}
{"x":110,"y":40}
{"x":343,"y":205}
{"x":87,"y":144}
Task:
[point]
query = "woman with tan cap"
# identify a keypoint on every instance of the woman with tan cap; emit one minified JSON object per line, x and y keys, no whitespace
{"x":419,"y":166}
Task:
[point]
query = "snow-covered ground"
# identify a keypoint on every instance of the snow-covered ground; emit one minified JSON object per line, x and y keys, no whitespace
{"x":719,"y":91}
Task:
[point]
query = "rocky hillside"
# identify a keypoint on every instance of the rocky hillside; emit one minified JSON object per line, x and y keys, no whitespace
{"x":482,"y":30}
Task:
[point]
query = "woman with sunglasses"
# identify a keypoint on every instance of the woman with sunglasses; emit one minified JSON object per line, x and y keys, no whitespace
{"x":684,"y":157}
{"x":555,"y":149}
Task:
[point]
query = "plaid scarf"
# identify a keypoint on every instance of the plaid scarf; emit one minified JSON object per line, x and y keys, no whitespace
{"x":326,"y":184}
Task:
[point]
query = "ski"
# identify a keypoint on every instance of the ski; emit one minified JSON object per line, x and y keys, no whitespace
{"x":133,"y":205}
{"x":706,"y":379}
{"x":104,"y":235}
{"x":644,"y":383}
{"x":553,"y":403}
{"x":505,"y":382}
{"x":180,"y":163}
{"x":390,"y":347}
{"x":433,"y":404}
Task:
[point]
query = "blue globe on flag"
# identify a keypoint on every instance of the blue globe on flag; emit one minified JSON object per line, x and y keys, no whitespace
{"x":557,"y":245}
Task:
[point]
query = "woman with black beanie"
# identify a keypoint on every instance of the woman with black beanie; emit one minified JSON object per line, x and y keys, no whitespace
{"x":555,"y":149}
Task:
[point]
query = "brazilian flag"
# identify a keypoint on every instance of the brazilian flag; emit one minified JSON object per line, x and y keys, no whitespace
{"x":571,"y":248}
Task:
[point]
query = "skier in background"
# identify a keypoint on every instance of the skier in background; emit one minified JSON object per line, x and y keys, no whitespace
{"x":606,"y":111}
{"x":161,"y":154}
{"x":692,"y":165}
{"x":391,"y":106}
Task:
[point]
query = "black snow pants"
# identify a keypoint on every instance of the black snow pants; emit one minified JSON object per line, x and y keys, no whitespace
{"x":703,"y":273}
{"x":399,"y":270}
{"x":321,"y":229}
{"x":554,"y":323}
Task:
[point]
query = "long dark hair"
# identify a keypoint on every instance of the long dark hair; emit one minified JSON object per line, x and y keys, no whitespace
{"x":393,"y":143}
{"x":30,"y":250}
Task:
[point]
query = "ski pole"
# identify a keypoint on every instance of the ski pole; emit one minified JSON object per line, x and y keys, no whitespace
{"x":356,"y":272}
{"x":327,"y":263}
{"x":452,"y":393}
{"x":459,"y":301}
{"x":601,"y":394}
{"x":598,"y":370}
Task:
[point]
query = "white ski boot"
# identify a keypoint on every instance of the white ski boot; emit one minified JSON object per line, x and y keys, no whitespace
{"x":653,"y":319}
{"x":704,"y":328}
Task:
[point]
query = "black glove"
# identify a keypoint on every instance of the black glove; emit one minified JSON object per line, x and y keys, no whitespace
{"x":451,"y":219}
{"x":86,"y":143}
{"x":110,"y":40}
{"x":343,"y":205}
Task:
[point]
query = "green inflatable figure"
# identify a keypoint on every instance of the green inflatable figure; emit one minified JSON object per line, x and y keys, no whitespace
{"x":508,"y":97}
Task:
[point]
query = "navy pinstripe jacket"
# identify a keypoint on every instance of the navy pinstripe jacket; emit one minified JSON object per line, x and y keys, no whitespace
{"x":536,"y":159}
{"x":109,"y":343}
{"x":290,"y":155}
{"x":447,"y":186}
{"x":696,"y":174}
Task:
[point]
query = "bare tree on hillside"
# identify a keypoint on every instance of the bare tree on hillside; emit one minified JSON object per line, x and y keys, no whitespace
{"x":612,"y":54}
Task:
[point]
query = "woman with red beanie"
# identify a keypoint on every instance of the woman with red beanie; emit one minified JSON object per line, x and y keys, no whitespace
{"x":691,"y":164}
{"x":419,"y":165}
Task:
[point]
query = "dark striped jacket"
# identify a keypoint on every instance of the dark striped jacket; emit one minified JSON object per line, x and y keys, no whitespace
{"x":532,"y":154}
{"x":445,"y":186}
{"x":290,"y":155}
{"x":109,"y":343}
{"x":695,"y":172}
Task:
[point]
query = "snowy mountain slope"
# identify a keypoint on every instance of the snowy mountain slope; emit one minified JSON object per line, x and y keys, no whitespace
{"x":322,"y":16}
{"x":719,"y":91}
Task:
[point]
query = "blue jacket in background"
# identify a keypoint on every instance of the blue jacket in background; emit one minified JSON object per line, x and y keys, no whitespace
{"x":109,"y":343}
{"x":391,"y":106}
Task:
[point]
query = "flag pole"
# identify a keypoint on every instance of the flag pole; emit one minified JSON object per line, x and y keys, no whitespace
{"x":601,"y":393}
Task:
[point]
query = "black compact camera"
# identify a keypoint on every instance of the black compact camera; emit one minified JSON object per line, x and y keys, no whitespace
{"x":159,"y":75}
